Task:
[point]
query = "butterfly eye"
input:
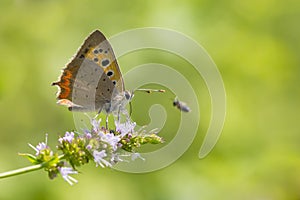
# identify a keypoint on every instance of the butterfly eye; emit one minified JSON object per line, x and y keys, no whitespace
{"x":128,"y":95}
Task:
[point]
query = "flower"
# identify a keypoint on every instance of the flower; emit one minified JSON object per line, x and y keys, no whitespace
{"x":105,"y":147}
{"x":111,"y":139}
{"x":88,"y":135}
{"x":95,"y":125}
{"x":125,"y":128}
{"x":98,"y":158}
{"x":41,"y":147}
{"x":69,"y":136}
{"x":65,"y":171}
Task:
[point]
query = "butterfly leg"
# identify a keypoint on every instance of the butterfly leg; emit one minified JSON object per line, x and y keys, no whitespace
{"x":106,"y":121}
{"x":130,"y":108}
{"x":99,"y":111}
{"x":119,"y":114}
{"x":96,"y":116}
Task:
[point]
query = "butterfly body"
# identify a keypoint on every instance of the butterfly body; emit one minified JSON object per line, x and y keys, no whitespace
{"x":92,"y":80}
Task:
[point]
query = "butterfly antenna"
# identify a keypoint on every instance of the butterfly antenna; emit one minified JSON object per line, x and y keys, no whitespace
{"x":150,"y":90}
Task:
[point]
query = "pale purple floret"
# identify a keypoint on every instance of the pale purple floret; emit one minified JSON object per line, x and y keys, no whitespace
{"x":125,"y":128}
{"x":69,"y":136}
{"x":41,"y":146}
{"x":95,"y":125}
{"x":111,"y":139}
{"x":65,"y":173}
{"x":98,"y":158}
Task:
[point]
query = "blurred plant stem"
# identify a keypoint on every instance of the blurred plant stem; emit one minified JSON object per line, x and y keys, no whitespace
{"x":21,"y":171}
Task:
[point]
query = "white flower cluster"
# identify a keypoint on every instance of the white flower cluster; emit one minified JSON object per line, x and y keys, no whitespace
{"x":104,"y":147}
{"x":108,"y":151}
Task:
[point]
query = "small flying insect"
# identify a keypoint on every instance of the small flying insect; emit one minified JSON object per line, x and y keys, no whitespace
{"x":181,"y":105}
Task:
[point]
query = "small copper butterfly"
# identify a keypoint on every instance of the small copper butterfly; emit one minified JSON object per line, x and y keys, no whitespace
{"x":92,"y":80}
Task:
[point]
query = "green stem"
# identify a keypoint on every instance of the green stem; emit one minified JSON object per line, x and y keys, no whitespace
{"x":21,"y":171}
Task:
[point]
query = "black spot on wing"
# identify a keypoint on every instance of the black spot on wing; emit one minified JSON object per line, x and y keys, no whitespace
{"x":110,"y":73}
{"x":105,"y":62}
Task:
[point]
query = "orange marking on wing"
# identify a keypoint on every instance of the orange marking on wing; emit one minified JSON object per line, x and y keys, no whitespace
{"x":64,"y":84}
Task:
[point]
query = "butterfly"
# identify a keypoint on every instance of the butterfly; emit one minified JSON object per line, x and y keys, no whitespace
{"x":181,"y":105}
{"x":92,"y":80}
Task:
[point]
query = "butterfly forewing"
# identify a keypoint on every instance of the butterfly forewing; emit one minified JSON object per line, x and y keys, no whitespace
{"x":98,"y":49}
{"x":92,"y":77}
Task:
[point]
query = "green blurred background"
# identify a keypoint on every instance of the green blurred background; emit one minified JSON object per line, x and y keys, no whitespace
{"x":255,"y":45}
